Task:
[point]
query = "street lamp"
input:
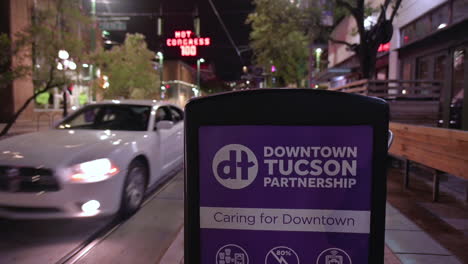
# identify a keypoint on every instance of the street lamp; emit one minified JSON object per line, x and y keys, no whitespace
{"x":199,"y":61}
{"x":63,"y":65}
{"x":63,"y":55}
{"x":160,"y":56}
{"x":318,"y":56}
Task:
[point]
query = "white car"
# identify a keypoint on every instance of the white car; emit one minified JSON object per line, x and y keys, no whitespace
{"x":98,"y":161}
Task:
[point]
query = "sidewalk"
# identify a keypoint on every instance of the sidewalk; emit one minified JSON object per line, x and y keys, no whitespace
{"x":405,"y":243}
{"x":22,"y":127}
{"x":411,"y":244}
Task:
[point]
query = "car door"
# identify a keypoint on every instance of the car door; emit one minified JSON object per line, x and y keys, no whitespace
{"x":178,"y":119}
{"x":163,"y":113}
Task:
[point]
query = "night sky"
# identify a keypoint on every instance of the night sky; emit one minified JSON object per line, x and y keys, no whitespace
{"x":178,"y":15}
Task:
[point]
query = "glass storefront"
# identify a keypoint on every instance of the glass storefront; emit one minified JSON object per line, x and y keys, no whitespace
{"x":458,"y":87}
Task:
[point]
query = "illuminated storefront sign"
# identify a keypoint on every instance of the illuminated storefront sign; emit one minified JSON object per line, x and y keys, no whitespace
{"x":188,"y":42}
{"x":384,"y":47}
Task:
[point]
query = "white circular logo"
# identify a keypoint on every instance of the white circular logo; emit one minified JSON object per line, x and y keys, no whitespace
{"x":235,"y":166}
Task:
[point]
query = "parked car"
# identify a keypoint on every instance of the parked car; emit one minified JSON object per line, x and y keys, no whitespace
{"x":98,"y":161}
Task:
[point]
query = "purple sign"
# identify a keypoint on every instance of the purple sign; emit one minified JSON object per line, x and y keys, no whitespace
{"x":285,"y":194}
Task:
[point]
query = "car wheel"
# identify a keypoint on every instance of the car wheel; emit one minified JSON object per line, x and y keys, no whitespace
{"x":134,"y":188}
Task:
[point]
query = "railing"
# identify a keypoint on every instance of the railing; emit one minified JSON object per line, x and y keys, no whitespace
{"x":359,"y":87}
{"x":46,"y":119}
{"x":414,"y":102}
{"x":394,"y":89}
{"x":418,"y":102}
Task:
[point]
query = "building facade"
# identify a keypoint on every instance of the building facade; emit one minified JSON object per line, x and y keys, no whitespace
{"x":15,"y":15}
{"x":429,"y":43}
{"x":179,"y":82}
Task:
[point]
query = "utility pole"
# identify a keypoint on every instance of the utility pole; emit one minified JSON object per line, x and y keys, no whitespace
{"x":160,"y":56}
{"x":196,"y":22}
{"x":199,"y":61}
{"x":93,"y":45}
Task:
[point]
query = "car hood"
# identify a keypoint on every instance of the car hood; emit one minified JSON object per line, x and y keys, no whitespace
{"x":54,"y":148}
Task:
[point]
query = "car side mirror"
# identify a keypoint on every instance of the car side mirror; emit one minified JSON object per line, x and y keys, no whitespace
{"x":164,"y":124}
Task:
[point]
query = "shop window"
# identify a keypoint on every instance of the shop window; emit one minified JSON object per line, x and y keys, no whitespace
{"x":459,"y":79}
{"x":407,"y":34}
{"x":422,"y":27}
{"x":459,"y":10}
{"x":422,"y":69}
{"x":406,"y":74}
{"x":382,"y":73}
{"x":440,"y":18}
{"x":439,"y":67}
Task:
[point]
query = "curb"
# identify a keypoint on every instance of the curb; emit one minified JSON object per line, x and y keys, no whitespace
{"x":175,"y":252}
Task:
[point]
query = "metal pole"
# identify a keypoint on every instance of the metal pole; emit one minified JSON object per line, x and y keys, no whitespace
{"x":65,"y":111}
{"x":65,"y":108}
{"x":93,"y":46}
{"x":161,"y":72}
{"x":198,"y":73}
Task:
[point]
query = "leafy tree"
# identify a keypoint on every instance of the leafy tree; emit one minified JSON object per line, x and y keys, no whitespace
{"x":283,"y":29}
{"x":130,"y":69}
{"x":8,"y":73}
{"x":370,"y":38}
{"x":55,"y":26}
{"x":279,"y":38}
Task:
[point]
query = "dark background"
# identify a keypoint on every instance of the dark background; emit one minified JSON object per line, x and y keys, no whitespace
{"x":178,"y":15}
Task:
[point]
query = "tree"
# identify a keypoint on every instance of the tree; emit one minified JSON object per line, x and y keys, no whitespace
{"x":8,"y":73}
{"x":283,"y":29}
{"x":54,"y":27}
{"x":130,"y":69}
{"x":279,"y":38}
{"x":371,"y":37}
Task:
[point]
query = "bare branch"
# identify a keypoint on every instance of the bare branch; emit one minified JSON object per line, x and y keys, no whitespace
{"x":351,"y":46}
{"x":395,"y":10}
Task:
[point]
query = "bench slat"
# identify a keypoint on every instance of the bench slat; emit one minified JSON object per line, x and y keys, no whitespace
{"x":442,"y":149}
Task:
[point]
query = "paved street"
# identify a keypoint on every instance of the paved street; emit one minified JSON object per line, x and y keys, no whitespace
{"x":141,"y":239}
{"x":32,"y":242}
{"x":154,"y":235}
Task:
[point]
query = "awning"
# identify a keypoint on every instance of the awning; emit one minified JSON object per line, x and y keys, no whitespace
{"x":326,"y":75}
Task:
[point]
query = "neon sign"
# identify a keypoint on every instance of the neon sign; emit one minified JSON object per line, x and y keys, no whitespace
{"x":384,"y":47}
{"x":188,"y":42}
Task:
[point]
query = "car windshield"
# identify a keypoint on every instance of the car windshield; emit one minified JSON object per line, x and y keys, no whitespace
{"x":112,"y":117}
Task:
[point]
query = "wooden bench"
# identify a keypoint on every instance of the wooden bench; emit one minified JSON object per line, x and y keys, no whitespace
{"x":415,"y":112}
{"x":444,"y":150}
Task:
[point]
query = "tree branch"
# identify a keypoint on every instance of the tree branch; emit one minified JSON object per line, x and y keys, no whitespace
{"x":395,"y":10}
{"x":351,"y":46}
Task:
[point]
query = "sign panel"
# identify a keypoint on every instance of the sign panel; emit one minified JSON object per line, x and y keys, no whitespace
{"x":285,"y":176}
{"x":276,"y":194}
{"x":188,"y":42}
{"x":113,"y":25}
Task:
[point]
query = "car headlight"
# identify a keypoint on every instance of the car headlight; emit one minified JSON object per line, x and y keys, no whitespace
{"x":93,"y":171}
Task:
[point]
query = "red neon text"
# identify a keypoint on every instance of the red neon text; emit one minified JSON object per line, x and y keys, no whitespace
{"x":188,"y":50}
{"x":188,"y":43}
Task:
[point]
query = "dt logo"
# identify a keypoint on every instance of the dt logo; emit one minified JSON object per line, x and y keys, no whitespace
{"x":235,"y":166}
